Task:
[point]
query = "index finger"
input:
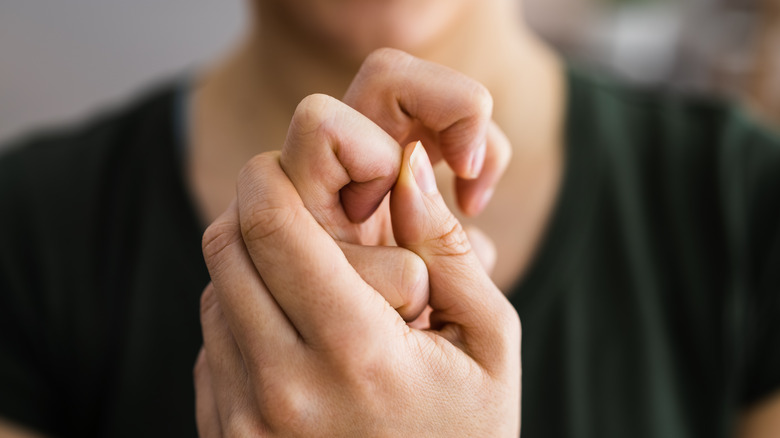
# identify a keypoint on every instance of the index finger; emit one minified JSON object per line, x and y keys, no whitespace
{"x":399,"y":92}
{"x":302,"y":266}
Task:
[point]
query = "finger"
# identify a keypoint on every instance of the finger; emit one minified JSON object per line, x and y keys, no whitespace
{"x":483,"y":247}
{"x":399,"y":275}
{"x":251,"y":311}
{"x":423,"y":320}
{"x":467,"y":306}
{"x":227,"y":372}
{"x":334,"y":155}
{"x":206,"y":414}
{"x":474,"y":194}
{"x":400,"y":92}
{"x":303,"y":267}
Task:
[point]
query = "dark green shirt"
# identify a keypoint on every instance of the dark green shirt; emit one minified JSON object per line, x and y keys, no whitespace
{"x":651,"y":309}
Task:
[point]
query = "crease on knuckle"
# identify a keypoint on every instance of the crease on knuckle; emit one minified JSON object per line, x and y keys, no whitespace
{"x":264,"y":223}
{"x":218,"y":237}
{"x":453,"y":242}
{"x":257,"y":165}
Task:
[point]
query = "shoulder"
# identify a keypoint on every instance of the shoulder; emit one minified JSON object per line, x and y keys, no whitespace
{"x":711,"y":141}
{"x":66,"y":163}
{"x":61,"y":179}
{"x":699,"y":179}
{"x":649,"y":117}
{"x":75,"y":202}
{"x":59,"y":188}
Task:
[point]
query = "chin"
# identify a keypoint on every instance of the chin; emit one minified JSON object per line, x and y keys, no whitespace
{"x":355,"y":28}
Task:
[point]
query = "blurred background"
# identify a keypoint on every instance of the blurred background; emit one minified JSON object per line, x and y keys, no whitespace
{"x":61,"y":61}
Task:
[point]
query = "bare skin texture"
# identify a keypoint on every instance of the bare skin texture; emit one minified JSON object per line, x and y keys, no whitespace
{"x":308,"y":331}
{"x":276,"y":67}
{"x":326,"y":355}
{"x":244,"y":105}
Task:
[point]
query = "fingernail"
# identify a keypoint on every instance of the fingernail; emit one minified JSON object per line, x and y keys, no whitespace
{"x":422,"y":170}
{"x":477,"y":160}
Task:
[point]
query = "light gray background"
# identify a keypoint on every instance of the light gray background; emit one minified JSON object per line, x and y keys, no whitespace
{"x":61,"y":60}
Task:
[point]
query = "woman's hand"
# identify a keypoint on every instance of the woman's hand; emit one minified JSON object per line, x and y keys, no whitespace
{"x":289,"y":318}
{"x":296,"y":343}
{"x":343,"y":157}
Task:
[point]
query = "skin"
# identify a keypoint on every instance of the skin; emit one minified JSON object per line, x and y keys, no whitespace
{"x":290,"y":208}
{"x":334,"y":342}
{"x":243,"y":107}
{"x":485,"y":44}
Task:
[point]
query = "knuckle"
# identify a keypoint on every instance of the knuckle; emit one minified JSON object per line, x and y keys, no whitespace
{"x":256,"y":166}
{"x":481,"y":98}
{"x":217,"y":238}
{"x":311,"y":114}
{"x":363,"y":374}
{"x":240,"y":425}
{"x":200,"y":368}
{"x":255,"y":175}
{"x":379,"y":66}
{"x":453,"y":241}
{"x":288,"y":409}
{"x":208,"y":300}
{"x":385,"y":57}
{"x":509,"y":330}
{"x":373,"y":87}
{"x":265,"y":222}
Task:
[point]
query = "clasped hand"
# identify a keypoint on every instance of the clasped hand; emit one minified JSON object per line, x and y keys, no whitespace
{"x":305,"y":322}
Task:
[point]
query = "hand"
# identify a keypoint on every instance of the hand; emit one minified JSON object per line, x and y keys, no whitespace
{"x":343,"y":159}
{"x":343,"y":163}
{"x":318,"y":114}
{"x":297,"y":344}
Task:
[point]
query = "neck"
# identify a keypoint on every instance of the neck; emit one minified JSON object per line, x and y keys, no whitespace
{"x":243,"y":107}
{"x":275,"y":67}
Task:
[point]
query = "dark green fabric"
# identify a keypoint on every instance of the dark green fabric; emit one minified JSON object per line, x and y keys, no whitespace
{"x":652,"y":308}
{"x":100,"y":278}
{"x":649,"y":311}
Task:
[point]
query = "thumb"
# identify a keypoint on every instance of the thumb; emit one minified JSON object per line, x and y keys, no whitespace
{"x":467,"y":307}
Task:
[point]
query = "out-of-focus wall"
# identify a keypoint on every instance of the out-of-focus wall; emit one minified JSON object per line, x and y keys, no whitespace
{"x":61,"y":60}
{"x":691,"y":45}
{"x":725,"y":47}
